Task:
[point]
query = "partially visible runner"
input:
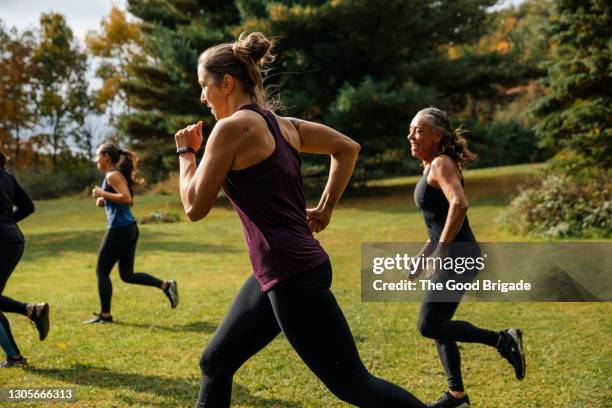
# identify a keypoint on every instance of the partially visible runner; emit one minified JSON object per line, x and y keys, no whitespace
{"x":119,"y":242}
{"x":255,"y":155}
{"x":440,"y":196}
{"x":15,"y":205}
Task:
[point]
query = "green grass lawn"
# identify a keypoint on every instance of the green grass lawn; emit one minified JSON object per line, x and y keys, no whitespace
{"x":150,"y":356}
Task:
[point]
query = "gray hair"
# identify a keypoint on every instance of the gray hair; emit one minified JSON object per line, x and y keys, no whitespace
{"x":454,"y":143}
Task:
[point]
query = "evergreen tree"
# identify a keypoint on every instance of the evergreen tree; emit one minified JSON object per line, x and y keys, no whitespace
{"x":576,"y":112}
{"x":163,"y":89}
{"x":356,"y":65}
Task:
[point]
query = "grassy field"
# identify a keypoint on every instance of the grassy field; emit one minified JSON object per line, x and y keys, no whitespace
{"x":149,"y":357}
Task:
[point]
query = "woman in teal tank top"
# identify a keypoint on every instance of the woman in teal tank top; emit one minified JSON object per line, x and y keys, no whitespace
{"x":119,"y":242}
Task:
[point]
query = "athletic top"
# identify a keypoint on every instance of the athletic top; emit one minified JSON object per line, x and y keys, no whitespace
{"x":434,"y":206}
{"x":117,"y":215}
{"x":12,"y":195}
{"x":269,"y":199}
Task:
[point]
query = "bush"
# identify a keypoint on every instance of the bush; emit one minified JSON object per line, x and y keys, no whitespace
{"x":45,"y":183}
{"x":562,"y":207}
{"x":160,"y":217}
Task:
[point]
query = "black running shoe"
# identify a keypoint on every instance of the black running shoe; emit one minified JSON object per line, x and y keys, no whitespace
{"x":171,"y":292}
{"x":40,"y":318}
{"x":511,"y":348}
{"x":98,"y":318}
{"x":14,"y":362}
{"x":446,"y":400}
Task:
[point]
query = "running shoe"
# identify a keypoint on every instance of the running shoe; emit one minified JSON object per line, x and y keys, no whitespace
{"x":14,"y":362}
{"x":40,"y":318}
{"x":171,"y":292}
{"x":511,"y":348}
{"x":98,"y":318}
{"x":446,"y":400}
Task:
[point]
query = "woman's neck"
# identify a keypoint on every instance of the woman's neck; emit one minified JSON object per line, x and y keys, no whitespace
{"x":234,"y":104}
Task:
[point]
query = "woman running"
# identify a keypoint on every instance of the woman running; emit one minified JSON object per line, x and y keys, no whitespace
{"x":255,"y":156}
{"x":15,"y":205}
{"x":119,"y":243}
{"x":440,"y":196}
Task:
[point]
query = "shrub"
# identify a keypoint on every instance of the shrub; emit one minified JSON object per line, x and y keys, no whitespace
{"x":44,"y":183}
{"x":160,"y":217}
{"x":562,"y":207}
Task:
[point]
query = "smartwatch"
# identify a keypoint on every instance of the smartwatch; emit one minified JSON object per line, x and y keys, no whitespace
{"x":184,"y":149}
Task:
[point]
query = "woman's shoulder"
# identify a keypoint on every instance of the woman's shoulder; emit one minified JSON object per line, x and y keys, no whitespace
{"x":443,"y":165}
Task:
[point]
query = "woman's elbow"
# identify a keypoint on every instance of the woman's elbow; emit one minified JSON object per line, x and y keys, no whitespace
{"x":196,"y":214}
{"x":460,"y":206}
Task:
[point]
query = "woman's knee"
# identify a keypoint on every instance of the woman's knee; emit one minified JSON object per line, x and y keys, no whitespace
{"x":210,"y":361}
{"x":427,"y":327}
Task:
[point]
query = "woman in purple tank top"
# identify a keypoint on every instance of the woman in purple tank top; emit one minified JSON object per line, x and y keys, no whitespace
{"x":254,"y":155}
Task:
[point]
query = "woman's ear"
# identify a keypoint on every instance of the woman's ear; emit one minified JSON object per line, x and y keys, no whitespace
{"x":227,"y":84}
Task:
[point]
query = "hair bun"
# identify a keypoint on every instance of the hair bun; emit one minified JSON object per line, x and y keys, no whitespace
{"x":255,"y":46}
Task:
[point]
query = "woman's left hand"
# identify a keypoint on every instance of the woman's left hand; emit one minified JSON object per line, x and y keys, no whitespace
{"x":318,"y":218}
{"x":97,"y":192}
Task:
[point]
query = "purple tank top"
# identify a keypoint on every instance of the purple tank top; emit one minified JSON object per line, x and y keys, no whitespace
{"x":269,"y":199}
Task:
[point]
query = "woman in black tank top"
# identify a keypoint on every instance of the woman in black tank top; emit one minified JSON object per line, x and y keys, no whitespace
{"x":15,"y":205}
{"x":440,"y":196}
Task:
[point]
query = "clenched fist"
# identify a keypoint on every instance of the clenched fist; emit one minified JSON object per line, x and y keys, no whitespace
{"x":190,"y":136}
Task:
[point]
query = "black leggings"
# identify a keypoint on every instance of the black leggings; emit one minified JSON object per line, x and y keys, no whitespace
{"x":306,"y":311}
{"x":119,"y":245}
{"x":435,"y":323}
{"x":10,"y":254}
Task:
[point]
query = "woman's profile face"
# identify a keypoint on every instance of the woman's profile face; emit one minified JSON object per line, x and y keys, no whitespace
{"x":102,"y":160}
{"x":423,"y":138}
{"x":212,"y":96}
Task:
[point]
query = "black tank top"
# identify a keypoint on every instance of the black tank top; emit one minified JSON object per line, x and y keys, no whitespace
{"x":12,"y":195}
{"x":434,"y":207}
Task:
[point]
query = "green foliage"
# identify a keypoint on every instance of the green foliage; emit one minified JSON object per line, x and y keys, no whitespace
{"x":71,"y":176}
{"x":504,"y":143}
{"x":576,"y":112}
{"x":574,"y":116}
{"x":361,"y":68}
{"x":559,"y":207}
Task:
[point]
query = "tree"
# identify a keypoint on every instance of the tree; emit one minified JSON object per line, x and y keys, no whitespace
{"x":356,"y":65}
{"x":162,"y":88}
{"x":62,"y":97}
{"x":576,"y":112}
{"x":574,"y":198}
{"x":17,"y":72}
{"x":117,"y":45}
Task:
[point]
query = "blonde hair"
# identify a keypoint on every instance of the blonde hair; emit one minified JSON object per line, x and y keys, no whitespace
{"x":243,"y":59}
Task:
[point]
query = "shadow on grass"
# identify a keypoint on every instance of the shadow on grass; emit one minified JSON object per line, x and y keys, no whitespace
{"x":88,"y":241}
{"x":174,"y":391}
{"x":197,"y":327}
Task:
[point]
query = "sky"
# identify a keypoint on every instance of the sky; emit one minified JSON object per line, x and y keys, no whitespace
{"x":81,"y":15}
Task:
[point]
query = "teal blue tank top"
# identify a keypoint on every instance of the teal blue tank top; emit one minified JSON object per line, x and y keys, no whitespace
{"x":117,"y":215}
